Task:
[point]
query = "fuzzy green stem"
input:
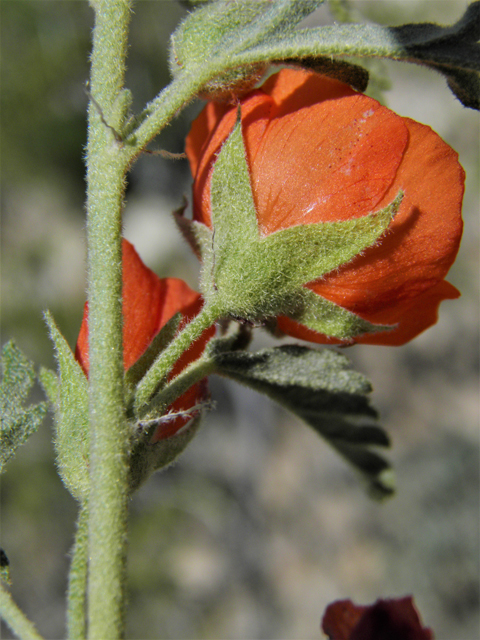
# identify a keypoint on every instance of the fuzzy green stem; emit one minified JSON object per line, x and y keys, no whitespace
{"x":164,"y":363}
{"x":77,"y":580}
{"x":196,"y":371}
{"x":162,"y":109}
{"x":109,"y":433}
{"x":15,"y":618}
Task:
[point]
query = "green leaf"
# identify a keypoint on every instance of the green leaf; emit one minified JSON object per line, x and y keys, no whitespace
{"x":50,"y":384}
{"x":321,"y":389}
{"x":18,"y":423}
{"x":219,"y":28}
{"x":453,"y":51}
{"x":72,"y":436}
{"x":464,"y":84}
{"x":204,"y":31}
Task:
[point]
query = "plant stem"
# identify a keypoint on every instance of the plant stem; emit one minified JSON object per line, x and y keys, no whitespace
{"x":15,"y":618}
{"x":109,"y":434}
{"x":196,"y":371}
{"x":77,"y":580}
{"x":164,"y":363}
{"x":162,"y":109}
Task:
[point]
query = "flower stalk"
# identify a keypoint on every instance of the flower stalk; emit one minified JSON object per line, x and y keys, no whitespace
{"x":164,"y":364}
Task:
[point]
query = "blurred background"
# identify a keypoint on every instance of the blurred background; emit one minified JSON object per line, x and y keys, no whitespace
{"x":259,"y":524}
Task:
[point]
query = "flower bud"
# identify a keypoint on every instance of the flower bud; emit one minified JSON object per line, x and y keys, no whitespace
{"x":148,"y":304}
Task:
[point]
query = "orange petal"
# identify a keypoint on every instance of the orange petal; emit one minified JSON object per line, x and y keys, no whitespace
{"x":144,"y":296}
{"x":321,"y":133}
{"x":338,"y":158}
{"x":294,"y":89}
{"x":201,"y":130}
{"x":421,"y":243}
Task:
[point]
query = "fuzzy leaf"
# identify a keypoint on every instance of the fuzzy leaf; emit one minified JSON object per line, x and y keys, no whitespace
{"x":218,"y":28}
{"x":464,"y":84}
{"x":72,"y":440}
{"x":50,"y":384}
{"x":203,"y":44}
{"x":453,"y":50}
{"x":18,"y":423}
{"x":321,"y":389}
{"x":205,"y":31}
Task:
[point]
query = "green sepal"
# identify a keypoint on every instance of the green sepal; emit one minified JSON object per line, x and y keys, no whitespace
{"x":234,"y":217}
{"x":328,"y":318}
{"x":163,"y":338}
{"x":200,"y":238}
{"x":255,"y":277}
{"x":306,"y":252}
{"x":72,"y":436}
{"x":321,"y":389}
{"x":18,"y":423}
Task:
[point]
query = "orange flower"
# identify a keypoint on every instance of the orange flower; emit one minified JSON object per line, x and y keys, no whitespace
{"x":148,"y":304}
{"x":320,"y":152}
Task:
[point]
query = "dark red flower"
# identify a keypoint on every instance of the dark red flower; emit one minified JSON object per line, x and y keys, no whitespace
{"x":148,"y":304}
{"x":320,"y":152}
{"x":384,"y":620}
